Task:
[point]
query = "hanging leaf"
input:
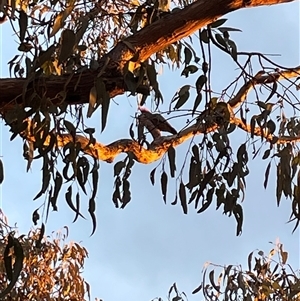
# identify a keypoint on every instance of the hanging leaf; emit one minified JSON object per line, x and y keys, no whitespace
{"x":70,"y":127}
{"x":189,"y":69}
{"x":202,"y":79}
{"x":267,"y":173}
{"x":67,"y":42}
{"x":152,"y":174}
{"x":60,"y":19}
{"x":7,"y":258}
{"x":196,"y":103}
{"x":95,"y":180}
{"x":209,"y":197}
{"x":223,"y":29}
{"x":187,"y":55}
{"x":1,"y":172}
{"x":118,"y":167}
{"x":104,"y":111}
{"x":38,"y":242}
{"x":92,"y":207}
{"x":171,"y":156}
{"x":233,"y":49}
{"x":252,"y":126}
{"x":164,"y":182}
{"x":238,"y":214}
{"x":221,"y":40}
{"x":217,"y":23}
{"x":126,"y":193}
{"x":23,"y":23}
{"x":57,"y":186}
{"x":183,"y":95}
{"x":182,"y":197}
{"x":204,"y":36}
{"x":35,"y":217}
{"x":273,"y":91}
{"x":17,"y":267}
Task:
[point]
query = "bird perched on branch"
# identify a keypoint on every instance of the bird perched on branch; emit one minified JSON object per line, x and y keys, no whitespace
{"x":158,"y":121}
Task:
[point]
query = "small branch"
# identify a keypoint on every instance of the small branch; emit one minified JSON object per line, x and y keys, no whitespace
{"x":260,"y":79}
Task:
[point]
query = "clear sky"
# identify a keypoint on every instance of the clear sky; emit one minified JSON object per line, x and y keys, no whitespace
{"x":140,"y":251}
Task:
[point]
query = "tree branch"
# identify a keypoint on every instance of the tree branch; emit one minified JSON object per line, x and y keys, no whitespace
{"x":159,"y":146}
{"x":151,"y":39}
{"x":260,"y":79}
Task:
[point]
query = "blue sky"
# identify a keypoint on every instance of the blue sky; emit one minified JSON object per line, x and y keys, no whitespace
{"x":140,"y":251}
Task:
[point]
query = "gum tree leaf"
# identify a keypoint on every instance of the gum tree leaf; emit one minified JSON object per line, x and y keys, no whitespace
{"x":202,"y":79}
{"x":217,"y":23}
{"x":23,"y":23}
{"x":172,"y":160}
{"x":92,"y":207}
{"x":182,"y":197}
{"x":1,"y":172}
{"x":17,"y":266}
{"x":267,"y":173}
{"x":163,"y":183}
{"x":187,"y":55}
{"x":152,"y":176}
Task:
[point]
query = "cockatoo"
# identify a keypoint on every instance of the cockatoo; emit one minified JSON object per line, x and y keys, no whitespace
{"x":158,"y":121}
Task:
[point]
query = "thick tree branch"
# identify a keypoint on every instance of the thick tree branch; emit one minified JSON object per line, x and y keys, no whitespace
{"x":159,"y":146}
{"x":143,"y":44}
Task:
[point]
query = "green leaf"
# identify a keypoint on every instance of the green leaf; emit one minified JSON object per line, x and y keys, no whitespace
{"x":212,"y":281}
{"x":35,"y":217}
{"x":202,"y":79}
{"x":23,"y":23}
{"x":184,"y":95}
{"x":163,"y":183}
{"x":92,"y":101}
{"x":189,"y":69}
{"x":271,"y":126}
{"x":221,"y":40}
{"x":266,"y":154}
{"x":182,"y":197}
{"x":118,"y":167}
{"x":252,"y":126}
{"x":104,"y":111}
{"x":60,"y":19}
{"x":204,"y":36}
{"x":267,"y":173}
{"x":233,"y":49}
{"x":70,"y":127}
{"x":92,"y":207}
{"x":273,"y":91}
{"x":187,"y":55}
{"x":197,"y":103}
{"x":223,"y":29}
{"x":95,"y":180}
{"x":217,"y":23}
{"x":126,"y":193}
{"x":171,"y":156}
{"x":41,"y":236}
{"x":238,"y":214}
{"x":44,"y":56}
{"x":1,"y":172}
{"x":209,"y":196}
{"x":152,"y":174}
{"x":17,"y":266}
{"x":68,"y":40}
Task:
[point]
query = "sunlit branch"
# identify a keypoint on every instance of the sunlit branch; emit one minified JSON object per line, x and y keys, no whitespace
{"x":260,"y":79}
{"x":159,"y":146}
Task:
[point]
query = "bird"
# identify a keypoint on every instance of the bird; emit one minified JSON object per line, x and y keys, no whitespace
{"x":158,"y":121}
